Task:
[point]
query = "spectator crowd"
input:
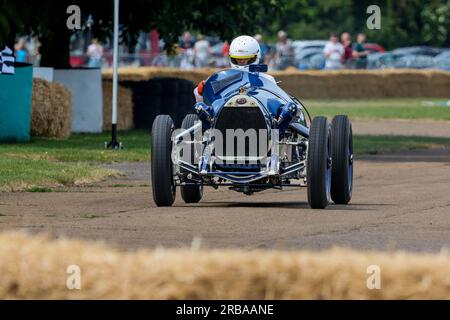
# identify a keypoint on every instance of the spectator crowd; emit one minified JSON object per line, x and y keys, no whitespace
{"x":199,"y":51}
{"x":344,"y":54}
{"x":338,"y":54}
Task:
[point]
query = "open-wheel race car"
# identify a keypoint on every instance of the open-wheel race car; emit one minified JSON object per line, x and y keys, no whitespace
{"x":250,"y":135}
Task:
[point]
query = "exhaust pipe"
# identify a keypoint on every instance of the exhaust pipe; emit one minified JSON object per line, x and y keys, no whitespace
{"x":300,"y":129}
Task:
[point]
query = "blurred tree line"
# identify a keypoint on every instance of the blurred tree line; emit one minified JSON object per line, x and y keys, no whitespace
{"x":403,"y":22}
{"x":47,"y":19}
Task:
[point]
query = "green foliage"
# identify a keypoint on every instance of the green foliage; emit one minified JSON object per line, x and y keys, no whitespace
{"x":314,"y":19}
{"x":47,"y":19}
{"x":12,"y":14}
{"x":403,"y":22}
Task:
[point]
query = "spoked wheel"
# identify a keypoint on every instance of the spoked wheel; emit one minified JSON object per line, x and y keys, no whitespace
{"x":191,"y":193}
{"x":342,"y":159}
{"x":319,"y":163}
{"x":163,"y":184}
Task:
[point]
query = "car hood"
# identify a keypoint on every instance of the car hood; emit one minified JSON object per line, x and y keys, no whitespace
{"x":221,"y":86}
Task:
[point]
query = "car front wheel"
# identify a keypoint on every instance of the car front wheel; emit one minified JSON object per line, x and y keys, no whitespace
{"x":319,"y":163}
{"x":342,"y":159}
{"x":193,"y":192}
{"x":163,"y":184}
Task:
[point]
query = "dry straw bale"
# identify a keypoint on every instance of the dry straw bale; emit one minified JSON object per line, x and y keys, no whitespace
{"x":41,"y":105}
{"x":124,"y":107}
{"x":147,"y":73}
{"x":51,"y":114}
{"x":35,"y":267}
{"x":326,"y":84}
{"x":365,"y":83}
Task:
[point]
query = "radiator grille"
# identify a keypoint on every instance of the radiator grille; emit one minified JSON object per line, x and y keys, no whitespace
{"x":245,"y":146}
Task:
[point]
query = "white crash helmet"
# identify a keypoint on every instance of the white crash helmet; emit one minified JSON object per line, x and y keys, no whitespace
{"x":244,"y":47}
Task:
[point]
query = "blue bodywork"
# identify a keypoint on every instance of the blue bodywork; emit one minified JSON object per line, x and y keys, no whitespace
{"x":278,"y":108}
{"x":224,"y":84}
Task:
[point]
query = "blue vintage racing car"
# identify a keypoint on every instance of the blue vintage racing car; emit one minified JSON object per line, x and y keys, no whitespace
{"x":250,"y":135}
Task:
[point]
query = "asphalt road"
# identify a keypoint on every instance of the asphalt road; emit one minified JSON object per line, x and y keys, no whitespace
{"x":400,"y":201}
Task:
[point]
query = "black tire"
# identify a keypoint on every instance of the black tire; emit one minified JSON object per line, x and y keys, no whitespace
{"x":163,"y":184}
{"x":191,"y":193}
{"x":342,"y":159}
{"x":319,"y":163}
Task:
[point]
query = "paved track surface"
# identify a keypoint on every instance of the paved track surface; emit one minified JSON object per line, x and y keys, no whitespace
{"x":399,"y":202}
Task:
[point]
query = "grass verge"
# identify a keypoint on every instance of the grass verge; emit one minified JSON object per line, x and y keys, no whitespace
{"x":44,"y":163}
{"x":22,"y":174}
{"x":365,"y":144}
{"x":380,"y":108}
{"x":83,"y":147}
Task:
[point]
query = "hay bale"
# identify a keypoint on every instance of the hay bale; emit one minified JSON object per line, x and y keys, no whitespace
{"x":345,"y":84}
{"x":35,"y":267}
{"x":61,"y":101}
{"x":359,"y":84}
{"x":41,"y":105}
{"x":51,"y":114}
{"x":125,"y":119}
{"x":147,"y":73}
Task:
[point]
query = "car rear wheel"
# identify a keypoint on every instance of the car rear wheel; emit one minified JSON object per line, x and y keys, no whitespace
{"x":319,"y":163}
{"x":191,"y":193}
{"x":163,"y":184}
{"x":342,"y":159}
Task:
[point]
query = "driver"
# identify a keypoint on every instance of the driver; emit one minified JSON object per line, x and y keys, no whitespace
{"x":244,"y":51}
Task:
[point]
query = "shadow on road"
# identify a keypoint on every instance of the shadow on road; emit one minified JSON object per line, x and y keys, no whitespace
{"x":423,"y":155}
{"x":285,"y":205}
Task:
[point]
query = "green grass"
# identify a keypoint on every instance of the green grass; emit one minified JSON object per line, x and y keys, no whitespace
{"x":43,"y":163}
{"x":365,"y":144}
{"x":83,"y":147}
{"x":122,"y":185}
{"x":92,"y":216}
{"x":37,"y":175}
{"x":379,"y":108}
{"x":39,"y":189}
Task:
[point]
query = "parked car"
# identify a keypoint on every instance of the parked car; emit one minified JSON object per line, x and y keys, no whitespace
{"x":417,"y":50}
{"x":309,"y":54}
{"x":303,"y":44}
{"x":442,"y":60}
{"x":373,"y":60}
{"x":78,"y":59}
{"x":374,"y":48}
{"x":415,"y":61}
{"x":310,"y":58}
